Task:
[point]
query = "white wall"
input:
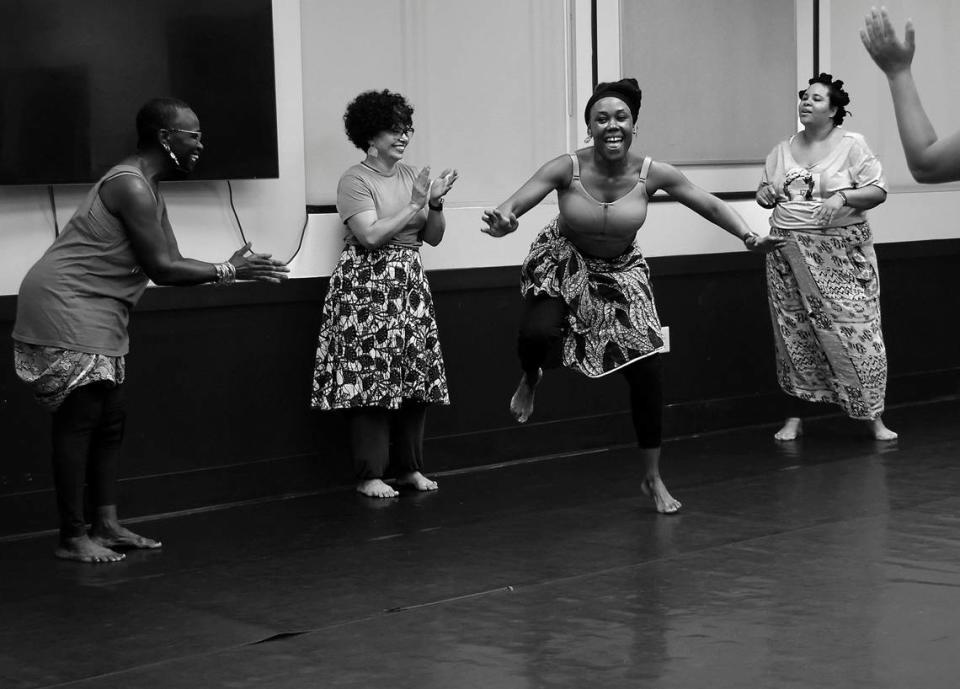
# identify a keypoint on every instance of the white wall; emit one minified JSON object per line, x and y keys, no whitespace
{"x":273,"y":210}
{"x":936,"y":58}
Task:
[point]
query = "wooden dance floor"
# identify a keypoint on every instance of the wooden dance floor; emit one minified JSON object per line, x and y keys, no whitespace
{"x":831,"y":562}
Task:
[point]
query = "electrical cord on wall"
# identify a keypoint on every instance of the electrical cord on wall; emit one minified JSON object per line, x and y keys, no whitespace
{"x":53,"y":207}
{"x":303,"y":230}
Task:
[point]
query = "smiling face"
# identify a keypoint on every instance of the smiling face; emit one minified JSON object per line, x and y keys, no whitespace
{"x":815,"y":108}
{"x":183,"y":136}
{"x":391,"y":144}
{"x":611,"y":126}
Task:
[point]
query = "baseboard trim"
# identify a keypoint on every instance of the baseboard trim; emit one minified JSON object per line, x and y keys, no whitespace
{"x":32,"y":512}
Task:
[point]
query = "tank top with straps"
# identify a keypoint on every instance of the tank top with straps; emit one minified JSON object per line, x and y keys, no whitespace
{"x":581,"y":212}
{"x":79,"y":294}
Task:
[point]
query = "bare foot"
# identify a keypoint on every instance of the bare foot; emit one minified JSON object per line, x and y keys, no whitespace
{"x":521,"y":404}
{"x":665,"y":503}
{"x":376,"y":488}
{"x":417,"y":480}
{"x":116,"y":536}
{"x":880,"y":431}
{"x":83,"y":549}
{"x":792,"y":429}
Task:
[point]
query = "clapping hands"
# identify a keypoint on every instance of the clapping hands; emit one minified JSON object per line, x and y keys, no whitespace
{"x":427,"y":190}
{"x":442,"y":184}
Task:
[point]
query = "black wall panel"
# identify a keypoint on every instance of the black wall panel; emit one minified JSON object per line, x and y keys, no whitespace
{"x":219,"y":380}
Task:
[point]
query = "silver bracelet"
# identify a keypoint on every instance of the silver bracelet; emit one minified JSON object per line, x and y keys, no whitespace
{"x":226,"y":273}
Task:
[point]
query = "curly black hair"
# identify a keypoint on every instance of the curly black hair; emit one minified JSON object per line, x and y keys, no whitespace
{"x":373,"y":112}
{"x":838,"y":97}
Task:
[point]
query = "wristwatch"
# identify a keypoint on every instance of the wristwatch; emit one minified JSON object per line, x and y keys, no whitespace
{"x":436,"y":207}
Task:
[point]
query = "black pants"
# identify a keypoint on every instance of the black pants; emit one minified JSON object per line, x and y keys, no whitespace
{"x":87,"y":433}
{"x":802,"y":409}
{"x":373,"y":428}
{"x":540,"y":345}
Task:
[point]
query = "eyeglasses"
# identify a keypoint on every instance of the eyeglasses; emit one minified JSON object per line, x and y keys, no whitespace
{"x":196,"y":134}
{"x":403,"y":131}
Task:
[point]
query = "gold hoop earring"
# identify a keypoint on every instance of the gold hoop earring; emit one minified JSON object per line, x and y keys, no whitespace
{"x":588,"y":139}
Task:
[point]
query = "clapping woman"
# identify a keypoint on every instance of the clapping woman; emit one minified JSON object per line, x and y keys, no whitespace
{"x":378,"y":354}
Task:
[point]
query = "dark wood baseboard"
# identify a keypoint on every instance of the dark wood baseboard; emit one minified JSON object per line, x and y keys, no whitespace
{"x":206,"y":361}
{"x":216,"y":487}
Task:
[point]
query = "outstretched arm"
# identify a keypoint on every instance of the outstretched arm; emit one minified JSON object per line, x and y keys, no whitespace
{"x":675,"y":183}
{"x":930,"y":159}
{"x":129,"y":198}
{"x":502,"y":220}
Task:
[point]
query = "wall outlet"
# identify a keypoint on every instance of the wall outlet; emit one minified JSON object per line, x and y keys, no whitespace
{"x":665,"y":334}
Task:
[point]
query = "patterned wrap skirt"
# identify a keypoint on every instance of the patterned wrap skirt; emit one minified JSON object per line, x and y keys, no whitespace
{"x":53,"y":373}
{"x":824,"y":294}
{"x":378,"y":343}
{"x":612,"y":318}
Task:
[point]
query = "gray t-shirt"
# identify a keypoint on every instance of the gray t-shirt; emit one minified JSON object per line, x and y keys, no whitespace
{"x":363,"y":189}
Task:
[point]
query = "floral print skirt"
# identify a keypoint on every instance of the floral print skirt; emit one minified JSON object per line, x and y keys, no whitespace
{"x":378,"y":343}
{"x":612,"y":318}
{"x":824,"y":295}
{"x":53,"y":373}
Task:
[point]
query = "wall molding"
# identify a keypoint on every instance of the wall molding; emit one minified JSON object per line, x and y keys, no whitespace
{"x":206,"y":359}
{"x":458,"y":279}
{"x":216,"y":487}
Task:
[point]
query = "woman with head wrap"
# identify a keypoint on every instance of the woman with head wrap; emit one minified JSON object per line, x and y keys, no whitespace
{"x":585,"y":284}
{"x":823,"y":286}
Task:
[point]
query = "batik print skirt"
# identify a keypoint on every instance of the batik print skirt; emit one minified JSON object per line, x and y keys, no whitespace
{"x":53,"y":373}
{"x":378,"y":343}
{"x":612,"y":318}
{"x":824,"y":294}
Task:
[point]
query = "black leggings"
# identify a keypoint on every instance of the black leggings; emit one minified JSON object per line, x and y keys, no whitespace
{"x":371,"y":430}
{"x":87,"y":433}
{"x":540,"y":345}
{"x":803,"y":409}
